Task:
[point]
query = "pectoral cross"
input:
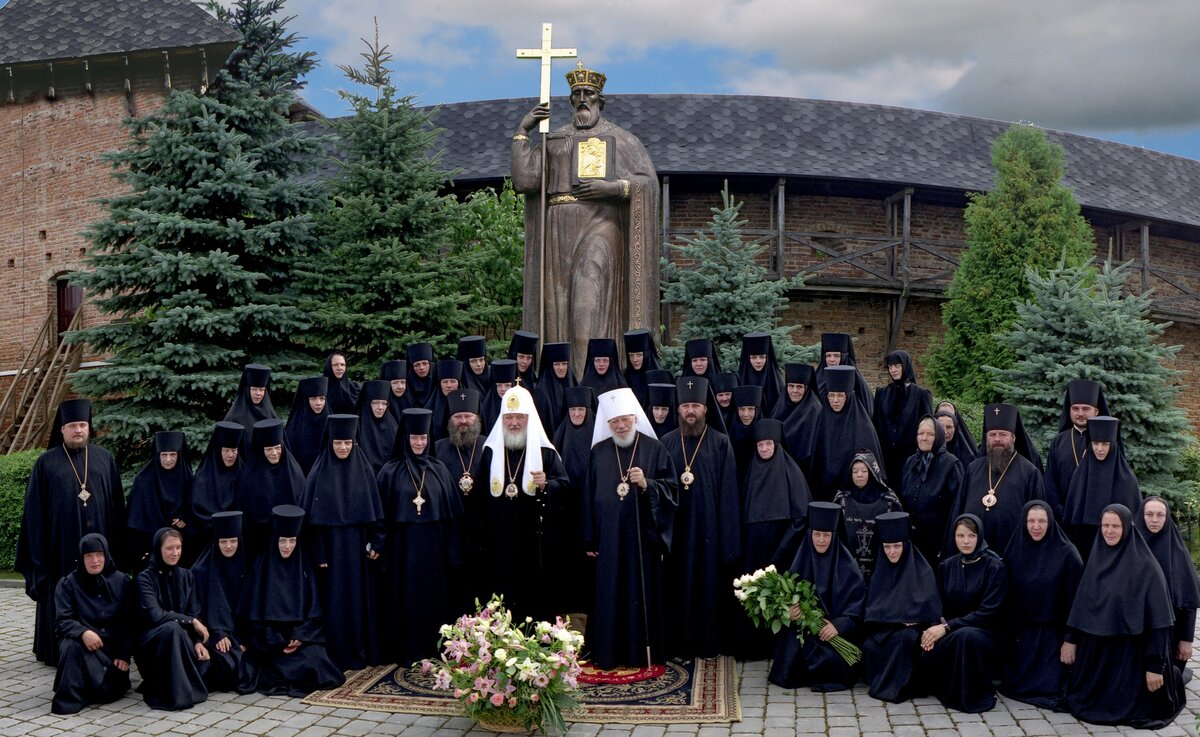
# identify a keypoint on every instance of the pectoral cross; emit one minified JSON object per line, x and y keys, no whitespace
{"x":546,"y":53}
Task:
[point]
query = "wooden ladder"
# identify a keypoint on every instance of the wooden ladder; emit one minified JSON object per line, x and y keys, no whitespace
{"x":29,"y":405}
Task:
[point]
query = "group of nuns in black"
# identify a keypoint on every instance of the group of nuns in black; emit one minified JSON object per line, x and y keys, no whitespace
{"x":1021,"y":620}
{"x":226,"y":624}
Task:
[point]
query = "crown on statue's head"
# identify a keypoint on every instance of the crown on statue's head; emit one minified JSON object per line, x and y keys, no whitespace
{"x":581,"y":77}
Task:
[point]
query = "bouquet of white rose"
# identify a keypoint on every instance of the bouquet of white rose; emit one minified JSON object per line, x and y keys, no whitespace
{"x":768,"y":597}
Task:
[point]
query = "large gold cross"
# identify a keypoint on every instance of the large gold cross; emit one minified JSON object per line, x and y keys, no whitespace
{"x":546,"y":53}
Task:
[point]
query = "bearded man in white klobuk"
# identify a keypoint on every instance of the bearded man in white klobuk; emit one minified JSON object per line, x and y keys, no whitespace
{"x":525,"y":517}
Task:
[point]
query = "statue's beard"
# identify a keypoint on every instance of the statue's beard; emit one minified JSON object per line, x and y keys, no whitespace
{"x":586,"y":117}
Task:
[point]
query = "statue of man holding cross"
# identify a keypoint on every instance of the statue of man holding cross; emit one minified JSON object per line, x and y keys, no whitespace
{"x":599,"y":273}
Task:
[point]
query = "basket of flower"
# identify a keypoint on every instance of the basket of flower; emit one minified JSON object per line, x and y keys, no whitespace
{"x":769,"y":597}
{"x":509,"y":678}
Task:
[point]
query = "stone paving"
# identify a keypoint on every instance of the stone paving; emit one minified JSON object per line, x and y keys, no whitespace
{"x":25,"y":691}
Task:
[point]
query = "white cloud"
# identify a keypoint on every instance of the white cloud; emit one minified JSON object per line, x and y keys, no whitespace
{"x":1096,"y":64}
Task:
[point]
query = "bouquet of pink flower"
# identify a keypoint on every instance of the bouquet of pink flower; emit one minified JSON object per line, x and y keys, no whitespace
{"x":768,"y":597}
{"x":509,"y":674}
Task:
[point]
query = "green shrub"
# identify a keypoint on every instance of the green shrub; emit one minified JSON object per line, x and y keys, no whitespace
{"x":14,"y":476}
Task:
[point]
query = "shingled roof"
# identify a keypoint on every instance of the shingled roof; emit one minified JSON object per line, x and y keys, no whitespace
{"x":46,"y":30}
{"x":732,"y":135}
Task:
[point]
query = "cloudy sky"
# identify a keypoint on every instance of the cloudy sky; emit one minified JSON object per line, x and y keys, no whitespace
{"x":1125,"y":70}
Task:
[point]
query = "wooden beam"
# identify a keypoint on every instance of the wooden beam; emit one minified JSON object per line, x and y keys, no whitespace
{"x":664,"y":305}
{"x":780,"y":200}
{"x":1145,"y":227}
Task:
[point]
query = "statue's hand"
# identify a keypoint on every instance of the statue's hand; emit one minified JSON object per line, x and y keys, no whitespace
{"x":535,"y":116}
{"x":597,"y":189}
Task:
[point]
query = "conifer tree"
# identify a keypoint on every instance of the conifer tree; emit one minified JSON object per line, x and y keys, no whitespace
{"x":724,"y":292}
{"x":1079,"y":325}
{"x":1028,"y":219}
{"x":383,"y":278}
{"x":190,"y":265}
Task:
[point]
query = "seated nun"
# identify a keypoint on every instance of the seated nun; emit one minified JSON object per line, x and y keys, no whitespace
{"x":171,"y":655}
{"x":284,"y":631}
{"x":220,"y":575}
{"x":823,"y":560}
{"x":962,"y":651}
{"x":902,"y":601}
{"x":95,"y":608}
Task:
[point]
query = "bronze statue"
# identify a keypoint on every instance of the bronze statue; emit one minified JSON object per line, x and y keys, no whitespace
{"x":602,"y":243}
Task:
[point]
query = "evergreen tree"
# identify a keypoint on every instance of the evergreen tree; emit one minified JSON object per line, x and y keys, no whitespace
{"x":724,"y":292}
{"x":383,"y":278}
{"x":1028,"y":219}
{"x":1079,"y":325}
{"x":190,"y":265}
{"x":489,"y":248}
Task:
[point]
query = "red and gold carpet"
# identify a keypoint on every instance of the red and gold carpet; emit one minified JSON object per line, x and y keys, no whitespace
{"x":697,"y":692}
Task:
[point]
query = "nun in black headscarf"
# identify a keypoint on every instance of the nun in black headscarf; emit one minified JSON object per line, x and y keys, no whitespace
{"x":395,"y":373}
{"x":722,"y":387}
{"x":556,"y":377}
{"x":700,"y":359}
{"x":641,"y":357}
{"x":824,"y":561}
{"x":422,"y":379}
{"x":661,"y":408}
{"x":376,"y":425}
{"x":95,"y":610}
{"x":863,"y":497}
{"x":929,"y":483}
{"x":343,"y":535}
{"x":341,"y":392}
{"x":171,"y":655}
{"x":1103,"y":478}
{"x":602,"y":368}
{"x":450,"y":379}
{"x":962,"y":652}
{"x":899,"y":406}
{"x":844,"y":429}
{"x":1155,"y":523}
{"x":574,"y":437}
{"x":574,"y":443}
{"x":215,"y":478}
{"x":837,"y":349}
{"x":270,"y":477}
{"x":282,"y":612}
{"x":1119,"y":633}
{"x":959,"y":441}
{"x":798,"y":409}
{"x":747,"y":403}
{"x":523,"y":349}
{"x":775,"y":501}
{"x":253,"y":399}
{"x":1043,"y":573}
{"x":306,"y":421}
{"x":758,"y":366}
{"x":161,"y":495}
{"x":220,"y":577}
{"x":472,"y":351}
{"x":902,"y":601}
{"x":422,"y":512}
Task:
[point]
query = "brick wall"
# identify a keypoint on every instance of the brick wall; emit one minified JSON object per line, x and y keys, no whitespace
{"x":50,"y":176}
{"x":866,"y":317}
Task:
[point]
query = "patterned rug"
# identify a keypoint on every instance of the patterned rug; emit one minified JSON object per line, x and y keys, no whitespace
{"x":698,"y":692}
